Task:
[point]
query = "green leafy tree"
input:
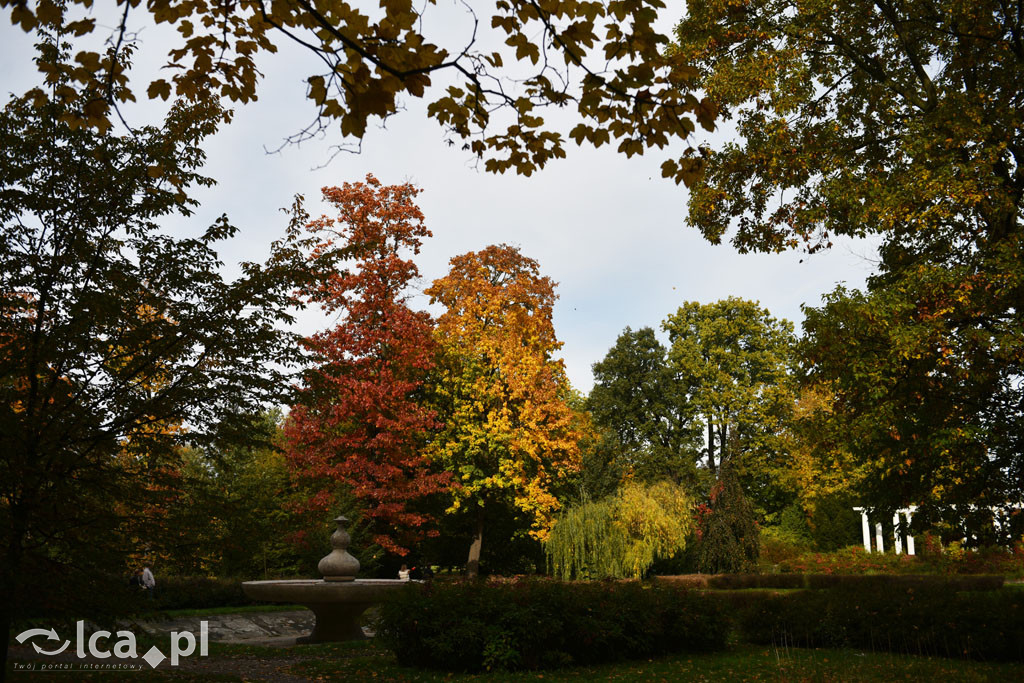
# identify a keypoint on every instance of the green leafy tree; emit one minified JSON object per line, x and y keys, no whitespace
{"x":621,"y":535}
{"x":858,"y":117}
{"x":487,"y":78}
{"x":735,"y":360}
{"x":235,"y":515}
{"x":84,"y":377}
{"x":645,"y":410}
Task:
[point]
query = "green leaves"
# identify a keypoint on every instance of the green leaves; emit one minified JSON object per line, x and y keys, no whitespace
{"x":857,"y":118}
{"x":652,"y":425}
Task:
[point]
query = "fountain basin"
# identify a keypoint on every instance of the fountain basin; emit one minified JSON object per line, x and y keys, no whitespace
{"x":338,"y":605}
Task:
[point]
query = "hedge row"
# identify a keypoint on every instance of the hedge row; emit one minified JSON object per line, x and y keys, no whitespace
{"x":194,"y":592}
{"x":543,"y":624}
{"x":911,"y":620}
{"x":818,"y":581}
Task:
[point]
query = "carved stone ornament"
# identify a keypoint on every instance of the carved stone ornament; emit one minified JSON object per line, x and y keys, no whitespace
{"x":339,"y":565}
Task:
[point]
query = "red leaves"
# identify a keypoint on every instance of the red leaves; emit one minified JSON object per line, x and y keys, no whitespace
{"x":359,"y":422}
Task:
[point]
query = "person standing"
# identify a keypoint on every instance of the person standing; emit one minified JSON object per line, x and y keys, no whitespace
{"x":148,"y":581}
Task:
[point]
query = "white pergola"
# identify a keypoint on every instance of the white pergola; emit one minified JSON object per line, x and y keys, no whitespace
{"x":897,"y":530}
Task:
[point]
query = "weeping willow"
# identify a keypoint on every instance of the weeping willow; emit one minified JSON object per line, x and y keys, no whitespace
{"x":622,"y":535}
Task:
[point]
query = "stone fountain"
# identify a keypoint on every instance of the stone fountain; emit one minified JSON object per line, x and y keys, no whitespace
{"x":338,"y":600}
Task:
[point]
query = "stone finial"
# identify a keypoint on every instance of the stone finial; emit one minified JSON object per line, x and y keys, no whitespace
{"x":339,"y":565}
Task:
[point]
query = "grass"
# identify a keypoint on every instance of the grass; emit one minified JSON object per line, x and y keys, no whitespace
{"x":742,"y":663}
{"x":369,"y":660}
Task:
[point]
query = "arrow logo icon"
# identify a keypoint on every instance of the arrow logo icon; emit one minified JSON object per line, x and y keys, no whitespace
{"x":50,"y":634}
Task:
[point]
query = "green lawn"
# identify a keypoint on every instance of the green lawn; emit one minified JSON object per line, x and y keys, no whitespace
{"x":368,"y":660}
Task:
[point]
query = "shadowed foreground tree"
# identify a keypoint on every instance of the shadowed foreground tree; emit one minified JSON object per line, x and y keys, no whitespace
{"x":82,"y":373}
{"x":855,"y":117}
{"x":929,"y":410}
{"x":361,"y":420}
{"x":509,"y":432}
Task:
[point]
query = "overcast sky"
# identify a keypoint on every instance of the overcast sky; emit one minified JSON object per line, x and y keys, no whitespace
{"x":609,"y":230}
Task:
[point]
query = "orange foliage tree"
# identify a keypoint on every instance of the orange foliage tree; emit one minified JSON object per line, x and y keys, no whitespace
{"x":509,"y":433}
{"x":359,"y":421}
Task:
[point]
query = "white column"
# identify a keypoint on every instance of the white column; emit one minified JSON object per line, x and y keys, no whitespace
{"x":865,"y":528}
{"x":896,"y":533}
{"x":910,"y":539}
{"x":879,"y":545}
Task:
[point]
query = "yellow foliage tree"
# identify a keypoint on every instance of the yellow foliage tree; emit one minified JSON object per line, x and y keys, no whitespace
{"x":509,"y":433}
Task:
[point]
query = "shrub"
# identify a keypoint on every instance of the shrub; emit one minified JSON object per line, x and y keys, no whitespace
{"x":729,"y":539}
{"x":685,"y":580}
{"x":833,"y":522}
{"x":741,"y":581}
{"x":855,"y":560}
{"x":543,"y":624}
{"x":920,"y":620}
{"x":870,"y":582}
{"x":777,"y":546}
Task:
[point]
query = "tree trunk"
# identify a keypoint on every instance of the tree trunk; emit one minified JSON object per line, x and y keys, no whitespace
{"x":711,"y":445}
{"x":9,"y":589}
{"x":5,"y":631}
{"x":722,"y":452}
{"x":473,"y":564}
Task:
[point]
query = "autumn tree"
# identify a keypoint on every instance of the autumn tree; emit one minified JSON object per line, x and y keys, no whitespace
{"x":858,"y":117}
{"x":360,"y":421}
{"x":605,"y":60}
{"x":818,"y":467}
{"x":81,"y":255}
{"x":509,"y":435}
{"x":645,"y":409}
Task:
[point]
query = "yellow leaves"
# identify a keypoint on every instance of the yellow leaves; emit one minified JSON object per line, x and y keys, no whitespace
{"x":506,"y":427}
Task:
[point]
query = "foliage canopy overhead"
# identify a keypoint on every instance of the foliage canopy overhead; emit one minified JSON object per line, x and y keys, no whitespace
{"x":487,"y":87}
{"x":857,"y":117}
